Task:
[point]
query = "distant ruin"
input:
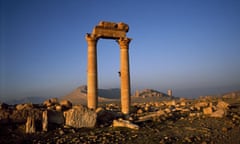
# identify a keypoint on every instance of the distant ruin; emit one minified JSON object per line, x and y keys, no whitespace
{"x":116,"y":31}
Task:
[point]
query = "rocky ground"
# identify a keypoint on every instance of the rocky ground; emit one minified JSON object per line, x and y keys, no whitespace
{"x":204,"y":120}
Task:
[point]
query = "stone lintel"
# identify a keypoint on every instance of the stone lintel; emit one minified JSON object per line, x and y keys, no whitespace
{"x":108,"y":33}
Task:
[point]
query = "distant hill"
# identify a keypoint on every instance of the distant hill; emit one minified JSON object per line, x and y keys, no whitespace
{"x":33,"y":99}
{"x":79,"y":95}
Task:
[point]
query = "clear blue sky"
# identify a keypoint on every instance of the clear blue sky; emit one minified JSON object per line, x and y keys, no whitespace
{"x":192,"y":47}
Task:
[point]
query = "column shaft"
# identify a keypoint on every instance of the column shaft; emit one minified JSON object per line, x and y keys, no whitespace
{"x":125,"y":75}
{"x":92,"y":78}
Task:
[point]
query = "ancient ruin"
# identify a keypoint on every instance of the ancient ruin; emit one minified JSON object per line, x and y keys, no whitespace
{"x":116,"y":31}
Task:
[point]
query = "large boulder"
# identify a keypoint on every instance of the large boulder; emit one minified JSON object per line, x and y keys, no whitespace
{"x":80,"y":116}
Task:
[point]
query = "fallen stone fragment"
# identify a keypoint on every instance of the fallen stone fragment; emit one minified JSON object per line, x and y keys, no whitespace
{"x":125,"y":123}
{"x":80,"y":116}
{"x":218,"y":114}
{"x":151,"y":116}
{"x":207,"y":111}
{"x":222,"y":105}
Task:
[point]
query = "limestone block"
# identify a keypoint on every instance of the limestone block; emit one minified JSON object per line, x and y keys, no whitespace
{"x":125,"y":123}
{"x":79,"y":117}
{"x":20,"y":116}
{"x":58,"y":107}
{"x":152,"y":116}
{"x":45,"y":121}
{"x":30,"y":125}
{"x":24,"y":106}
{"x":207,"y":111}
{"x":66,"y":104}
{"x":222,"y":105}
{"x":219,"y":113}
{"x":50,"y":102}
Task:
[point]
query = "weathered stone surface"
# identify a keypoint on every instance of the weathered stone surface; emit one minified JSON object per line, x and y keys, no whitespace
{"x":222,"y":105}
{"x":125,"y":123}
{"x":45,"y":121}
{"x":80,"y":116}
{"x":50,"y":102}
{"x":24,"y":106}
{"x":55,"y":117}
{"x":110,"y":30}
{"x":219,"y":113}
{"x":152,"y":116}
{"x":30,"y":125}
{"x":200,"y":105}
{"x":207,"y":111}
{"x":20,"y":116}
{"x":58,"y":107}
{"x":66,"y":104}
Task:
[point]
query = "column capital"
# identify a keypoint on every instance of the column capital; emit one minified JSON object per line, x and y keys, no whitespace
{"x":124,"y":42}
{"x":91,"y":37}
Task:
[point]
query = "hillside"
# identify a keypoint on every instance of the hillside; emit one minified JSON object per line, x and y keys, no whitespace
{"x":79,"y":95}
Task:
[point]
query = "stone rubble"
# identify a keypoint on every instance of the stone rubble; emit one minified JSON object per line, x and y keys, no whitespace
{"x":201,"y":117}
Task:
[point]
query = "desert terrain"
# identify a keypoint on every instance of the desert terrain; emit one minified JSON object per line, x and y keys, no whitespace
{"x":154,"y":118}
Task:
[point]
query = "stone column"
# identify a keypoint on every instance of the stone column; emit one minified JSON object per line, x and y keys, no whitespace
{"x":169,"y":92}
{"x":125,"y":75}
{"x":92,"y":79}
